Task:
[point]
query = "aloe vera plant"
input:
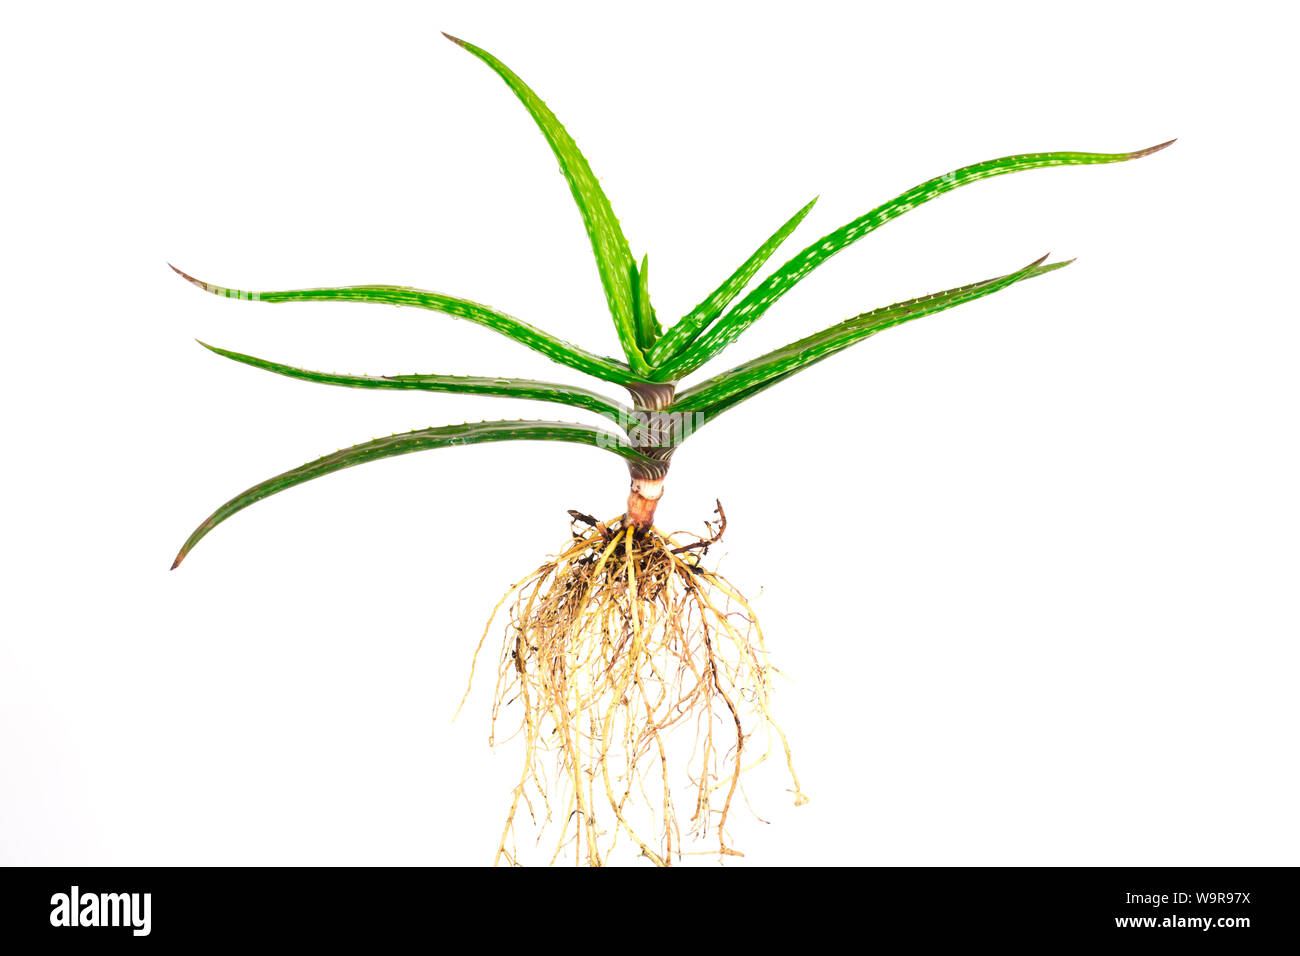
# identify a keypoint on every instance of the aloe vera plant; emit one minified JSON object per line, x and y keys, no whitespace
{"x":655,"y":360}
{"x":624,"y":635}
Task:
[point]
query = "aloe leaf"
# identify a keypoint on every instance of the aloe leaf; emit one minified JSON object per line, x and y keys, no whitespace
{"x":574,"y":396}
{"x":423,"y":440}
{"x":613,"y":258}
{"x":730,"y":326}
{"x":684,"y":332}
{"x":724,"y":391}
{"x":557,"y":350}
{"x":647,"y":323}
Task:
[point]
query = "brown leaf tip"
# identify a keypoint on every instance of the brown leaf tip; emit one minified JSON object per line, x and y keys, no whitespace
{"x":189,"y":278}
{"x":456,"y":40}
{"x":1152,"y":149}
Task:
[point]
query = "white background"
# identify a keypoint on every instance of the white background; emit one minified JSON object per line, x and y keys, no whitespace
{"x":1031,"y":564}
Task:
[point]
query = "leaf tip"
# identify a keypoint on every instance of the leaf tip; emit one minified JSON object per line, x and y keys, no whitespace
{"x":1138,"y":154}
{"x":456,"y":40}
{"x":187,"y":277}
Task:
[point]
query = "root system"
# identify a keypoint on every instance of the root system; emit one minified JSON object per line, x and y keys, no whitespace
{"x":634,"y":679}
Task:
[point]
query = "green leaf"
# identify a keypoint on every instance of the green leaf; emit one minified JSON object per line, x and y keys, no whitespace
{"x":724,"y":391}
{"x":684,"y":332}
{"x":647,"y":323}
{"x":729,"y":328}
{"x":613,"y":258}
{"x":557,"y":350}
{"x":423,"y":440}
{"x":461,"y":384}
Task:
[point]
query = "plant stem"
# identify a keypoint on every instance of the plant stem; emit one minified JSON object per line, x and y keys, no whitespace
{"x":642,"y":501}
{"x":653,"y":438}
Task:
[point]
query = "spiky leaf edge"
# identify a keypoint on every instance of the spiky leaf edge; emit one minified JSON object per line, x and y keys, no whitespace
{"x":685,"y":331}
{"x":470,"y":433}
{"x":730,"y":326}
{"x":716,"y":395}
{"x":613,"y":257}
{"x":532,"y":389}
{"x":558,"y":351}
